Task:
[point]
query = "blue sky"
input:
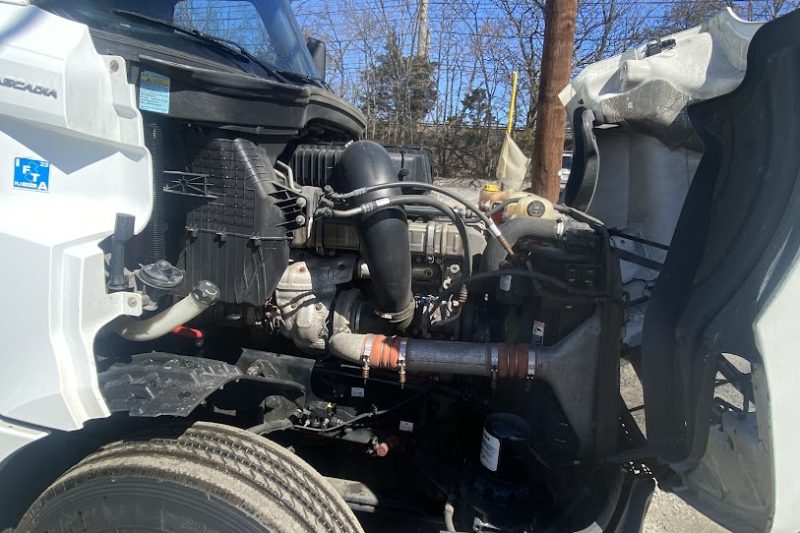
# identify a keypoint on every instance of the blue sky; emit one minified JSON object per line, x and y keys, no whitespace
{"x":474,"y":43}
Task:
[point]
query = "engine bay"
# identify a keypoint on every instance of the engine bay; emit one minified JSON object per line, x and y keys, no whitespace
{"x":435,"y":357}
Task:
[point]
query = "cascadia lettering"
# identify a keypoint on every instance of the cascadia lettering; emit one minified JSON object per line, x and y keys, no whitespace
{"x":22,"y":85}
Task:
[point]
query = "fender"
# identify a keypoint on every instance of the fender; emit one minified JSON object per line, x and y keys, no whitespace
{"x":163,"y":384}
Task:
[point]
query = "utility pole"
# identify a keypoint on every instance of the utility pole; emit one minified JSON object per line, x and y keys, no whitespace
{"x":423,"y":41}
{"x":557,"y":50}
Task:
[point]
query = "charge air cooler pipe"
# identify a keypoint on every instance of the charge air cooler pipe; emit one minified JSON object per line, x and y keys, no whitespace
{"x":569,"y":367}
{"x":203,"y":296}
{"x":383,"y":233}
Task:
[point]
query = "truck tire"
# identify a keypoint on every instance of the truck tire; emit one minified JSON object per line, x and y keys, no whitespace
{"x":209,"y":478}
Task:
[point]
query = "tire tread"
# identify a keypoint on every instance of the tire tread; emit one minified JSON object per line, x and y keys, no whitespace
{"x":281,"y":485}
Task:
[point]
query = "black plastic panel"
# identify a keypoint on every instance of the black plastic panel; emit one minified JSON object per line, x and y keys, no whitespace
{"x":583,"y":176}
{"x":235,"y":234}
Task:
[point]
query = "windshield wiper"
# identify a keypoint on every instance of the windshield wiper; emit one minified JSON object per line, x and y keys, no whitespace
{"x":319,"y":82}
{"x":244,"y":52}
{"x":228,"y":46}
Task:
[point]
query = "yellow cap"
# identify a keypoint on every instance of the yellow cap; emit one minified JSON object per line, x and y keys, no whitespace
{"x":491,"y":187}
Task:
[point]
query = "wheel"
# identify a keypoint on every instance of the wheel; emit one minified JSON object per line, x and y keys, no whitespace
{"x":209,"y":478}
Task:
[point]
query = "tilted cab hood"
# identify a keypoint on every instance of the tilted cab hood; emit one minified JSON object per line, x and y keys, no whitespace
{"x":695,"y":147}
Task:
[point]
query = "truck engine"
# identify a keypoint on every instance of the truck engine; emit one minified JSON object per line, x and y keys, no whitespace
{"x":416,"y":342}
{"x":446,"y":357}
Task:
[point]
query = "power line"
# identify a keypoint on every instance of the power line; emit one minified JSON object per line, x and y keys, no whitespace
{"x":388,"y":7}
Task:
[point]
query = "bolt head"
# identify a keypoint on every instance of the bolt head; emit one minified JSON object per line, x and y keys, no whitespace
{"x":113,"y":65}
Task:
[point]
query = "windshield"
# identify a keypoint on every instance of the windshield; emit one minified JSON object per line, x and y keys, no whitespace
{"x":264,"y":28}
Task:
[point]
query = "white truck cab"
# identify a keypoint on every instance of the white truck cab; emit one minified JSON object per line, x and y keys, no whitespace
{"x":224,"y":314}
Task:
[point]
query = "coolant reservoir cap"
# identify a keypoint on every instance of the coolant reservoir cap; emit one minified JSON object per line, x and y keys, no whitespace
{"x":536,"y":208}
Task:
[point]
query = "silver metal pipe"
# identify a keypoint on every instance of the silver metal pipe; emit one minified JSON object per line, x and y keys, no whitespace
{"x":466,"y":358}
{"x":203,"y":296}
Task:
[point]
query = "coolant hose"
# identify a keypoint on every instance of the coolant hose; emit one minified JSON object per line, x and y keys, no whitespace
{"x":515,"y":229}
{"x":203,"y":296}
{"x":383,"y":233}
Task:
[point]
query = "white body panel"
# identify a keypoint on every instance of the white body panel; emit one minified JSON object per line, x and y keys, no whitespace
{"x":778,"y":338}
{"x":53,"y":277}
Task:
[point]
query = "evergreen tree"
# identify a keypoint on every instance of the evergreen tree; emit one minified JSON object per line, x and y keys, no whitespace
{"x":398,"y":94}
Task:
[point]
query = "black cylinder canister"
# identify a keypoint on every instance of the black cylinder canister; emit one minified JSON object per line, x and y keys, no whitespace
{"x":500,"y":487}
{"x":506,"y":438}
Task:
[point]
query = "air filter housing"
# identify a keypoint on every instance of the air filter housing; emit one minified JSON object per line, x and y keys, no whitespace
{"x":235,"y":232}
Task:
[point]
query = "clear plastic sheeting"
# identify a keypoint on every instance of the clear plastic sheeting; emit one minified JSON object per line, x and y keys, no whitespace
{"x":512,"y":166}
{"x":690,"y":66}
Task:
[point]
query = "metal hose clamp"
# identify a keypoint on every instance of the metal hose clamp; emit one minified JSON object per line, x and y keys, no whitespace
{"x":531,"y":364}
{"x":494,"y":362}
{"x":401,"y":361}
{"x":365,"y":356}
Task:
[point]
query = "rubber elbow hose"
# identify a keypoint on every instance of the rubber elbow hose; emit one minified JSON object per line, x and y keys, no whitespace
{"x":383,"y":232}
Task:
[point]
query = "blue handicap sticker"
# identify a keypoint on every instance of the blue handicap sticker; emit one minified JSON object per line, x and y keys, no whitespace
{"x":31,"y":174}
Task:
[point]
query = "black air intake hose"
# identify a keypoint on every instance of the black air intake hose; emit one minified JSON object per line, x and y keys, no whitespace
{"x":384,"y":232}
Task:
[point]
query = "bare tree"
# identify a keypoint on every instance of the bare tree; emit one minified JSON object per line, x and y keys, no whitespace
{"x":474,"y":46}
{"x":526,"y":22}
{"x":608,"y":28}
{"x":684,"y":14}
